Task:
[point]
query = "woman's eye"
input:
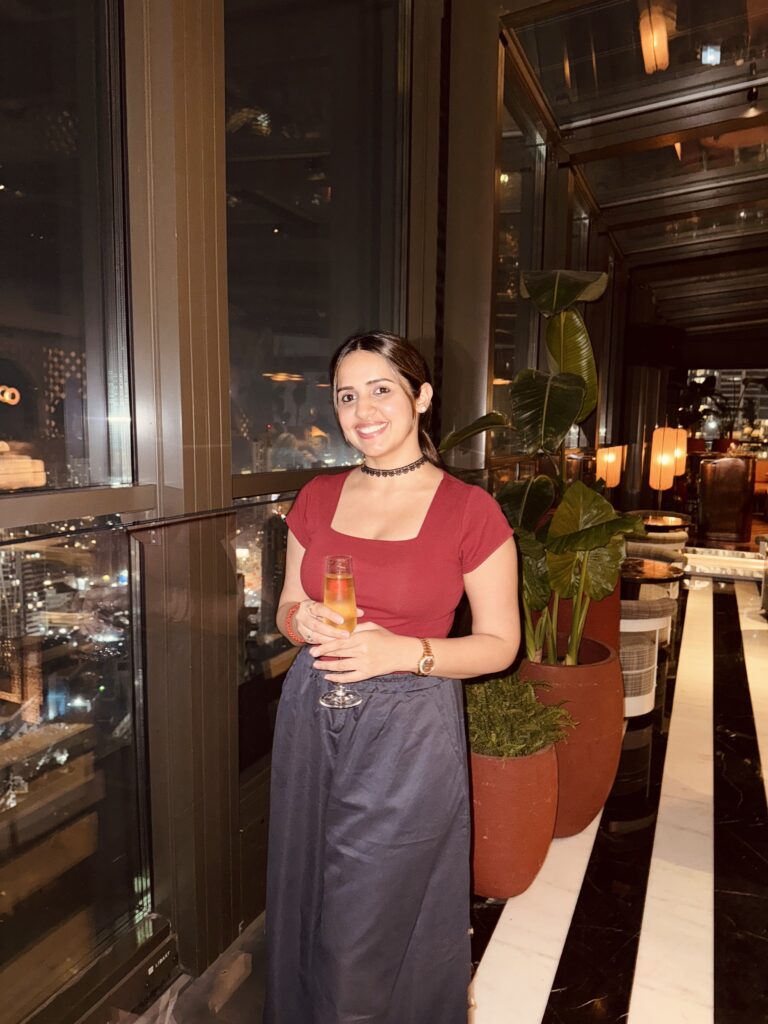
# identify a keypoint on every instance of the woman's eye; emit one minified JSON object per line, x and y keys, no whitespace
{"x":346,"y":399}
{"x":381,"y":390}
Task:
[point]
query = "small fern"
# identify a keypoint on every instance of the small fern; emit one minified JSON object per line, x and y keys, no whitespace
{"x":506,"y":719}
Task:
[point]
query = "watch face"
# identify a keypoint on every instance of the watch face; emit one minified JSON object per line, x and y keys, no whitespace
{"x":426,"y":664}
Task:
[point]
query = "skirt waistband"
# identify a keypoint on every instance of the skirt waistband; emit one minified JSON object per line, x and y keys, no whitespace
{"x":393,"y":682}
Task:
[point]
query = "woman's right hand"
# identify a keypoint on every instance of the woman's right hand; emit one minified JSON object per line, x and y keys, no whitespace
{"x":315,"y":623}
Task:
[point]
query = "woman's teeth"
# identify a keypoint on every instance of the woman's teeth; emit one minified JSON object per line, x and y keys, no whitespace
{"x":371,"y":431}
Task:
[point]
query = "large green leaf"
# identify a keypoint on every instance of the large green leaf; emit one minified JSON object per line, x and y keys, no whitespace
{"x":525,"y":501}
{"x":544,"y":408}
{"x":490,"y":421}
{"x":591,"y":537}
{"x":601,"y":566}
{"x":571,"y":352}
{"x":585,"y":536}
{"x":555,"y":290}
{"x":582,"y":508}
{"x":536,"y":588}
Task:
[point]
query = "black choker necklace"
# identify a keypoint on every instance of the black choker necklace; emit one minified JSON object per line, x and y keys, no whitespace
{"x":393,"y":472}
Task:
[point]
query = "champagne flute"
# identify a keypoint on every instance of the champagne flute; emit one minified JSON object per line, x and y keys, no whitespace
{"x":339,"y":596}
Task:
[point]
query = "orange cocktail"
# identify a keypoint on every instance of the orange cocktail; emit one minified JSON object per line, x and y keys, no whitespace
{"x":339,"y":590}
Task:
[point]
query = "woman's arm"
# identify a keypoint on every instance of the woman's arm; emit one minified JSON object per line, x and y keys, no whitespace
{"x":309,"y":618}
{"x":492,"y":592}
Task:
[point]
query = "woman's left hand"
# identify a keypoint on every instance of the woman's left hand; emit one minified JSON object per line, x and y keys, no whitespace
{"x":369,"y":651}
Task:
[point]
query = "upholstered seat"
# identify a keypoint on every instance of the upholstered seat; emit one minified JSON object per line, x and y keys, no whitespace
{"x":638,"y":667}
{"x":644,"y":625}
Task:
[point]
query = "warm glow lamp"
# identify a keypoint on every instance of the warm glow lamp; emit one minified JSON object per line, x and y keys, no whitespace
{"x":662,"y":471}
{"x":654,"y":38}
{"x":609,"y":464}
{"x":681,"y":450}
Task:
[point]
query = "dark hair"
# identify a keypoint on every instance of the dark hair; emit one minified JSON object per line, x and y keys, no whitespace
{"x":410,"y":365}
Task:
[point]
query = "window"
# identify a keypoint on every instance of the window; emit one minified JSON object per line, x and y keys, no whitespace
{"x":64,"y":401}
{"x":313,"y":116}
{"x":74,"y":866}
{"x":520,"y":198}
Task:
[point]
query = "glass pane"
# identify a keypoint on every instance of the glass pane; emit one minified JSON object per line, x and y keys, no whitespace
{"x":707,"y":226}
{"x":620,"y":53}
{"x":210,"y":589}
{"x":520,"y":196}
{"x":671,"y":170}
{"x":313,"y":193}
{"x":64,"y":409}
{"x":261,"y":537}
{"x":73,"y":876}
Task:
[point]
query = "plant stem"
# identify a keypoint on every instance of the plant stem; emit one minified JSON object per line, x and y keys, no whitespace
{"x":530,"y":636}
{"x":555,"y":610}
{"x":579,"y":615}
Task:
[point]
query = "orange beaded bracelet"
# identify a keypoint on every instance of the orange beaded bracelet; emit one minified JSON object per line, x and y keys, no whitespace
{"x":292,"y":635}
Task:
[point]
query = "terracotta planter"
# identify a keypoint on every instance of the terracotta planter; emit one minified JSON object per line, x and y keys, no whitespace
{"x":587,"y":760}
{"x":603,"y":619}
{"x":514,"y":801}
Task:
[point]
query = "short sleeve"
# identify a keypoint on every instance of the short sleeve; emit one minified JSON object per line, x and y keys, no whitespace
{"x":299,"y":517}
{"x":484,"y":528}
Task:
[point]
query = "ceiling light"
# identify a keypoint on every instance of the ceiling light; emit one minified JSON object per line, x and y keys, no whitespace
{"x":654,"y":38}
{"x":710,"y":55}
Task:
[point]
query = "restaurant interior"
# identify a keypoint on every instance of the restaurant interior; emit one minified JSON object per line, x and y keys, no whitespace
{"x":200,"y":199}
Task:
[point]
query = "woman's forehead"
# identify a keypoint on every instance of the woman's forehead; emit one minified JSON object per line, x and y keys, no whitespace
{"x":360,"y":366}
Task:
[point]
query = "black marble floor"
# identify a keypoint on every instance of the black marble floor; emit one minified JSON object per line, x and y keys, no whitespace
{"x":670,"y":927}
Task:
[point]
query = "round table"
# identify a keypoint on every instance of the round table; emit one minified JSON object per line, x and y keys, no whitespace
{"x":664,"y":524}
{"x":636,"y":571}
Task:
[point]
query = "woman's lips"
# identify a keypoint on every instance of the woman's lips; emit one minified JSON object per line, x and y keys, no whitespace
{"x":373,"y":430}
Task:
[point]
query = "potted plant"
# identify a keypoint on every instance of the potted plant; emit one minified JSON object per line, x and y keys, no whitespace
{"x":571,"y":543}
{"x":514,"y":782}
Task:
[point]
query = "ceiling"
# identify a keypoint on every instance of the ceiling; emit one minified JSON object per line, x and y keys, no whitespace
{"x":660,"y":108}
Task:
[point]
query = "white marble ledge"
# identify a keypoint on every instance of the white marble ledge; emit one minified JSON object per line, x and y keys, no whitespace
{"x":521,"y":959}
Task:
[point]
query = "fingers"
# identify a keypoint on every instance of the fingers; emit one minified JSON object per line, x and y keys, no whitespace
{"x":316,"y":622}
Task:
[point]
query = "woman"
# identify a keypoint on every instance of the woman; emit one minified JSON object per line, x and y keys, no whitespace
{"x":368,"y":872}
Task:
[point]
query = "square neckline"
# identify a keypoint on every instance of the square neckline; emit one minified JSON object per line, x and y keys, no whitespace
{"x":384,"y":540}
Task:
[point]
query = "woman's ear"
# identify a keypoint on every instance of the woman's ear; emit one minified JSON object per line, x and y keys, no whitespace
{"x":424,"y":397}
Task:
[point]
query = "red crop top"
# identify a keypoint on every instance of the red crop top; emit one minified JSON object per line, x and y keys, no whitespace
{"x":411,"y":587}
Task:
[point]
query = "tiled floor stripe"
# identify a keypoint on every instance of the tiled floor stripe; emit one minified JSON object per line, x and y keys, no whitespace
{"x":674,"y":972}
{"x":741,"y":832}
{"x":754,"y":636}
{"x":709,"y":869}
{"x":514,"y":979}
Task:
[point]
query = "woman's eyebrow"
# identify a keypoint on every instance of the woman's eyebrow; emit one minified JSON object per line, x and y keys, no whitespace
{"x":376,"y":380}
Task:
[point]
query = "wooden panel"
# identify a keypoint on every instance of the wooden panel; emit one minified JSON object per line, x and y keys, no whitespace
{"x":40,"y":969}
{"x":50,"y":858}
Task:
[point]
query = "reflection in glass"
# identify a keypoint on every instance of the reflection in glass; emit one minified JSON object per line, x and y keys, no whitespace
{"x":261,"y":537}
{"x":621,"y":53}
{"x":313,"y":200}
{"x":72,"y":872}
{"x":64,"y":412}
{"x":693,"y":163}
{"x":706,"y":226}
{"x":521,"y":167}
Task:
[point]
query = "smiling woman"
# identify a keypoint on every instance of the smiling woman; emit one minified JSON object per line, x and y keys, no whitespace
{"x":369,"y":823}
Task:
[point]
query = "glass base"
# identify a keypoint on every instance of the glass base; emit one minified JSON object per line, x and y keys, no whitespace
{"x":340,"y":698}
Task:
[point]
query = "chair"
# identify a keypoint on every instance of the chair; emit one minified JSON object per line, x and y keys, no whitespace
{"x":643,"y":627}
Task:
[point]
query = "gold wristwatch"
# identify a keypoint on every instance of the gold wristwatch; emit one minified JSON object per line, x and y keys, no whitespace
{"x":427,"y":660}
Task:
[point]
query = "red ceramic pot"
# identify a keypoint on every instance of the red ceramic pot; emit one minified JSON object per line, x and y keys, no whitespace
{"x":514,"y":801}
{"x":603,"y":619}
{"x":593,"y":692}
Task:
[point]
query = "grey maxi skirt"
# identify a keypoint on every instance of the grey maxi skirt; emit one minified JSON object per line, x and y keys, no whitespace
{"x":368,"y":873}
